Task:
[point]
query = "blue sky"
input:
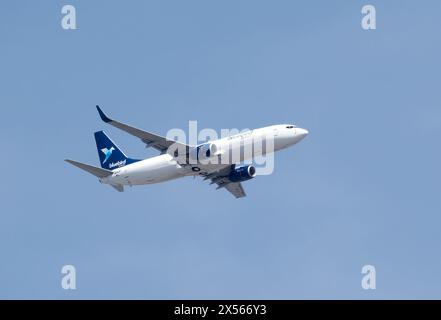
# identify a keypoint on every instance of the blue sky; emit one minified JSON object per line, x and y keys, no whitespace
{"x":362,"y":188}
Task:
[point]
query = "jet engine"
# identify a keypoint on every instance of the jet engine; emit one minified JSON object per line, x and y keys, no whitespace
{"x":242,"y":173}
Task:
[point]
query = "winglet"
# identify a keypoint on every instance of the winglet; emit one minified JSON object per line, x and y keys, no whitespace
{"x":102,"y":115}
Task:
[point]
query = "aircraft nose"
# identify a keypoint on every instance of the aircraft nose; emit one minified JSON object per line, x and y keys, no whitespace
{"x":301,"y":133}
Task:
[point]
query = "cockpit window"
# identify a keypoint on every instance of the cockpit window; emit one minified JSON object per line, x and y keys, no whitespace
{"x":290,"y":127}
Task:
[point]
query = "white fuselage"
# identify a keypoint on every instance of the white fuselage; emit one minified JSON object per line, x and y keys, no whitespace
{"x":166,"y":167}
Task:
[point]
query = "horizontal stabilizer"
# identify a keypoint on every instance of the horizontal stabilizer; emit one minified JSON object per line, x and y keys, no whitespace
{"x":98,"y":172}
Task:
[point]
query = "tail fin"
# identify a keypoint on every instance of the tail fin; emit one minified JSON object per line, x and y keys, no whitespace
{"x":111,"y":157}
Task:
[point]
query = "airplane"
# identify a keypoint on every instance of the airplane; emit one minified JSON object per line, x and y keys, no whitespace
{"x":181,"y":160}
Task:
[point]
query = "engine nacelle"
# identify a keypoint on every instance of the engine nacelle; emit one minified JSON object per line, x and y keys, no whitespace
{"x":205,"y":151}
{"x":242,"y":173}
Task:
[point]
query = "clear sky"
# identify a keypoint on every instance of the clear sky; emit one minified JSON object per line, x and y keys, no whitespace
{"x":362,"y":188}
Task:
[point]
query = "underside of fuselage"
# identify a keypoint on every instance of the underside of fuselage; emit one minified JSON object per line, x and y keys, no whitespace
{"x":165,"y":167}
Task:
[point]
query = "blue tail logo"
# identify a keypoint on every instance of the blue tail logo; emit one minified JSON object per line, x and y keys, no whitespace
{"x":107,"y":153}
{"x":111,"y":157}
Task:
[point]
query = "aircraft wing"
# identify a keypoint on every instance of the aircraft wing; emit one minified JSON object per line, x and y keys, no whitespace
{"x":221,"y":179}
{"x":150,"y":139}
{"x":236,"y":189}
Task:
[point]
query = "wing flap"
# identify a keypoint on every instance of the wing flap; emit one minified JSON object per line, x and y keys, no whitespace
{"x":236,"y":189}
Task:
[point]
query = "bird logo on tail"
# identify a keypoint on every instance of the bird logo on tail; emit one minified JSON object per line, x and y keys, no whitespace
{"x":107,"y":153}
